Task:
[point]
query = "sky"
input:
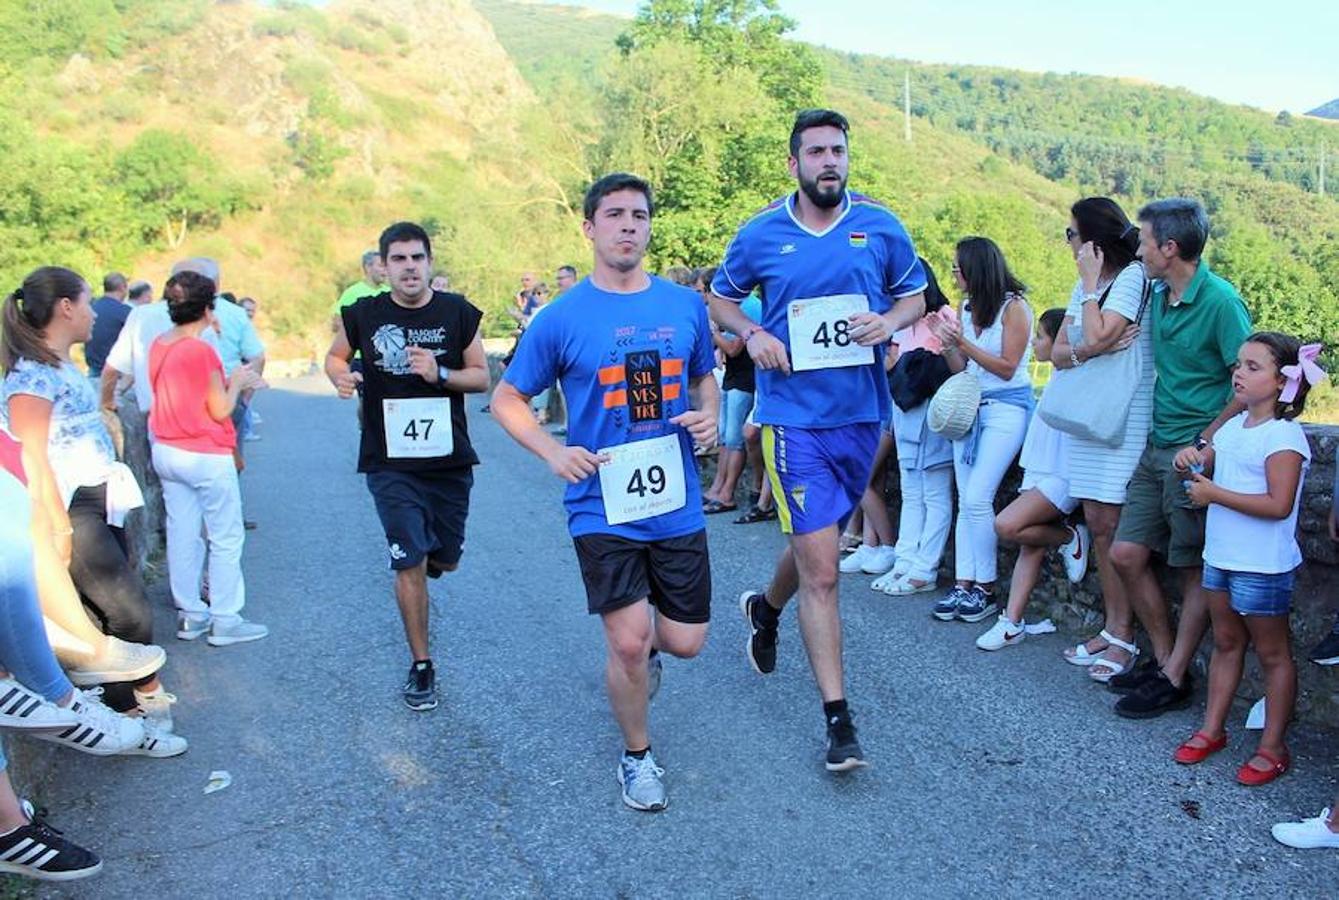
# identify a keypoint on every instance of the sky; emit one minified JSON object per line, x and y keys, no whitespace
{"x":1274,"y":55}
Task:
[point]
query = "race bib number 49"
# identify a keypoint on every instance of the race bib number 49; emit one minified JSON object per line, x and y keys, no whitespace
{"x":418,"y":427}
{"x":642,"y":479}
{"x":820,"y":333}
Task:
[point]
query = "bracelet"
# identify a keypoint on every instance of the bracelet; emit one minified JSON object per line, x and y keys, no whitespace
{"x":748,"y":335}
{"x":1074,"y":359}
{"x":1091,"y":298}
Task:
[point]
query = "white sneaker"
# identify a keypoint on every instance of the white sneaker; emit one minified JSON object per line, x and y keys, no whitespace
{"x":1002,"y":634}
{"x":157,"y":707}
{"x":879,"y":560}
{"x":238,"y":632}
{"x":99,"y":730}
{"x":1307,"y":834}
{"x":854,"y":560}
{"x":189,"y":628}
{"x":119,"y":661}
{"x":1075,"y":552}
{"x":157,"y":742}
{"x":22,"y":708}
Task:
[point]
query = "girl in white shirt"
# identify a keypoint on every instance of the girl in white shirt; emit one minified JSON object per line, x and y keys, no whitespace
{"x":1250,"y":480}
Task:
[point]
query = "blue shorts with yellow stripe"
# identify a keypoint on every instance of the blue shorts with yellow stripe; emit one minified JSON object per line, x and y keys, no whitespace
{"x":818,"y":475}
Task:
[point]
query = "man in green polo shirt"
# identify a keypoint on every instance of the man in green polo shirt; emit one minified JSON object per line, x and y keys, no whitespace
{"x":1199,"y":322}
{"x":373,"y":283}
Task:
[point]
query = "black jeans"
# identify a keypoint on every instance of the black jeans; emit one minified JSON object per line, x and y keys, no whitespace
{"x":111,"y":588}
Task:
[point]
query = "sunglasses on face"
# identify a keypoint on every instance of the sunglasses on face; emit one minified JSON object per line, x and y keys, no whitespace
{"x":1070,"y":234}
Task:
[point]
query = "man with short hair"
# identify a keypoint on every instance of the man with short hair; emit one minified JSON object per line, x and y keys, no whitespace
{"x":838,"y":275}
{"x":1199,"y":323}
{"x":111,"y":313}
{"x":633,"y":354}
{"x":422,"y":353}
{"x":373,"y":282}
{"x":565,"y":278}
{"x":141,"y":293}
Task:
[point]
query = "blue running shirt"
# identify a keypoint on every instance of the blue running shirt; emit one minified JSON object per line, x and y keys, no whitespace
{"x":624,"y":362}
{"x":865,"y":253}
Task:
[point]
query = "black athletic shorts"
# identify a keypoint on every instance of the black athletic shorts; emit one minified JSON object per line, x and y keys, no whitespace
{"x":423,"y":514}
{"x":674,"y":574}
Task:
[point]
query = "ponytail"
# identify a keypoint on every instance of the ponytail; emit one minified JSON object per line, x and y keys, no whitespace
{"x":28,"y":311}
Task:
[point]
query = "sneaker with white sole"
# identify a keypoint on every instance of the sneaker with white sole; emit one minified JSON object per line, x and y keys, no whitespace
{"x":36,"y":850}
{"x":980,"y":604}
{"x":879,"y":560}
{"x":22,"y":708}
{"x":853,"y":561}
{"x":641,"y":780}
{"x":1308,"y":834}
{"x":191,"y":627}
{"x":946,"y":610}
{"x":1002,"y":634}
{"x":237,"y":632}
{"x":158,"y":742}
{"x":119,"y":661}
{"x":157,"y":707}
{"x":99,"y":730}
{"x":1076,"y":551}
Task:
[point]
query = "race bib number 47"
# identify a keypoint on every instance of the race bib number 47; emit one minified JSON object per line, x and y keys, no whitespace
{"x":642,"y":479}
{"x":820,"y":333}
{"x":418,"y":427}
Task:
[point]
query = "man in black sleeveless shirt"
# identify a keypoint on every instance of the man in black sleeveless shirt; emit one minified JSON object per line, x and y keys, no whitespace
{"x":421,"y":353}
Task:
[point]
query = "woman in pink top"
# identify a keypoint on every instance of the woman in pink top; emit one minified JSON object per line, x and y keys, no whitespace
{"x":191,"y":424}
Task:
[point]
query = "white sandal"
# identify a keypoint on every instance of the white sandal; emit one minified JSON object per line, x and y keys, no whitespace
{"x":1085,"y":657}
{"x":1103,"y":670}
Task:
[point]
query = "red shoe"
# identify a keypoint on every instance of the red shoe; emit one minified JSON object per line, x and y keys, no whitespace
{"x":1188,"y":755}
{"x":1252,"y":777}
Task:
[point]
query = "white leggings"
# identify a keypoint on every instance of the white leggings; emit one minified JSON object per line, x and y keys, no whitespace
{"x":1003,"y":426}
{"x":202,"y":488}
{"x":927,"y":512}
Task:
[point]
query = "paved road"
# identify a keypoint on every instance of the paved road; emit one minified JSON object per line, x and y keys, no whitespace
{"x":994,"y":774}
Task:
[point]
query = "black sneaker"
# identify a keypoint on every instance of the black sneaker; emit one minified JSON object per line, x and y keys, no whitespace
{"x":978,"y":605}
{"x":1129,"y":681}
{"x":1156,"y":696}
{"x":1326,"y":653}
{"x":946,"y":610}
{"x":420,"y":688}
{"x":844,"y":753}
{"x":37,"y":850}
{"x":761,"y":647}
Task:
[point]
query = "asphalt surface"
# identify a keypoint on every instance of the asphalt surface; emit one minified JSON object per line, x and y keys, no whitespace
{"x":997,"y":775}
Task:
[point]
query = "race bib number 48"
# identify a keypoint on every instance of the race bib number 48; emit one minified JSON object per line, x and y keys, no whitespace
{"x":418,"y":427}
{"x":642,"y":479}
{"x":820,"y":333}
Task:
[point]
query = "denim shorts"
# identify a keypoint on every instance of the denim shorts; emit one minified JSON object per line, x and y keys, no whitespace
{"x":1253,"y":593}
{"x":735,"y":408}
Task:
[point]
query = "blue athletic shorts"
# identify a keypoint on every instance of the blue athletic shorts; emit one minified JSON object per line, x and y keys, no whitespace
{"x":1252,"y":593}
{"x":818,"y":474}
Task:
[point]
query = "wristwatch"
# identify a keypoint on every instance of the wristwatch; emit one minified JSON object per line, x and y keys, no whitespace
{"x":443,"y":373}
{"x":1201,"y":442}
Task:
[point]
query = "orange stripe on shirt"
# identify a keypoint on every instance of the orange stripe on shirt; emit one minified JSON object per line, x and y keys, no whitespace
{"x":613,"y":375}
{"x":671,"y":368}
{"x":615,"y":398}
{"x":672,"y":390}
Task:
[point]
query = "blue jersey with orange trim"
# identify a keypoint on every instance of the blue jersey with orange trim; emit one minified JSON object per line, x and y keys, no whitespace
{"x":624,"y":362}
{"x":866,"y":251}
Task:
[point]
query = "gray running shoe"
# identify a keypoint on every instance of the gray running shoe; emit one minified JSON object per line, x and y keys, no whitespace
{"x":238,"y":632}
{"x":654,"y":668}
{"x":420,"y":688}
{"x":642,"y":787}
{"x":844,"y":753}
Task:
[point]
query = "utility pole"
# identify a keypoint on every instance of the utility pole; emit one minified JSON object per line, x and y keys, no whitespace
{"x":907,"y":110}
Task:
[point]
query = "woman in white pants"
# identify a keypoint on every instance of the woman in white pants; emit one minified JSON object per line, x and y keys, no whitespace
{"x":993,"y":342}
{"x":194,"y":439}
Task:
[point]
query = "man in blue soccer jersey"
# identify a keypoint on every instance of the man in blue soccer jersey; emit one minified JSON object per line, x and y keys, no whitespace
{"x":630,"y":351}
{"x":838,"y":275}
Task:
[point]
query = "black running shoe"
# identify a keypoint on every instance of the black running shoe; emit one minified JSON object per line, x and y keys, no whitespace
{"x":420,"y":689}
{"x":844,"y":753}
{"x":37,"y":850}
{"x":761,"y":647}
{"x":1326,"y":653}
{"x":1156,"y":696}
{"x":1129,"y":682}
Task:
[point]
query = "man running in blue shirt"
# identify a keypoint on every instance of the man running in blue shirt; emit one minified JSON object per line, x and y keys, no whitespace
{"x":838,"y":275}
{"x":633,"y":354}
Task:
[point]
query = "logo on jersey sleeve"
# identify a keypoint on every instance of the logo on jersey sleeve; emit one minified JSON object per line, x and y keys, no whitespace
{"x":858,"y":239}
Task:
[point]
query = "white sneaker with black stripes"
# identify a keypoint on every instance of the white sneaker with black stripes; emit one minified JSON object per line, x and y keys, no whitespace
{"x":22,"y":708}
{"x":158,"y":742}
{"x":98,"y":730}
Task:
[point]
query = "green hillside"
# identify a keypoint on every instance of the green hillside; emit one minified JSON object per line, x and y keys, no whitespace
{"x":281,"y":138}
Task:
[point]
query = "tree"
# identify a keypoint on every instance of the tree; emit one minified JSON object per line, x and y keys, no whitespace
{"x":172,"y":185}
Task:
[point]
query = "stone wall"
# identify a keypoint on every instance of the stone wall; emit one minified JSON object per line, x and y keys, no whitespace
{"x":1078,"y":608}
